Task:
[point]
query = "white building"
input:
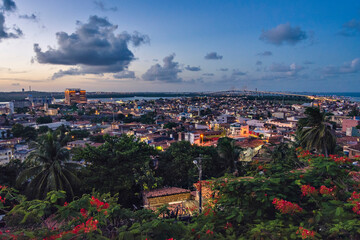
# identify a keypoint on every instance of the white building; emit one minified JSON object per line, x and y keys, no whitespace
{"x":6,"y":107}
{"x":5,"y":155}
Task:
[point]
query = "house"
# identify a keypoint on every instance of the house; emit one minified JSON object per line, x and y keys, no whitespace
{"x":154,"y":199}
{"x":5,"y":155}
{"x":354,"y":150}
{"x":348,"y":123}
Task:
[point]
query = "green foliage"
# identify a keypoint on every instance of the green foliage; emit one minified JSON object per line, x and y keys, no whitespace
{"x":315,"y":132}
{"x":49,"y":168}
{"x":115,"y":166}
{"x":78,"y":134}
{"x":43,"y":129}
{"x":176,"y":165}
{"x":28,"y":133}
{"x":229,"y":152}
{"x":43,"y":120}
{"x":354,"y":112}
{"x":21,"y":110}
{"x":170,"y":125}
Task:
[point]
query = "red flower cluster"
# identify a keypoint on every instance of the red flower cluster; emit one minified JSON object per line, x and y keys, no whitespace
{"x":286,"y":207}
{"x":340,"y":160}
{"x":305,"y":233}
{"x":327,"y":191}
{"x":308,"y":190}
{"x":355,"y":200}
{"x":99,"y":204}
{"x":2,"y":199}
{"x":90,"y":225}
{"x":228,"y":225}
{"x":3,"y":187}
{"x":83,"y":212}
{"x":209,"y":232}
{"x":260,"y":168}
{"x":304,"y":154}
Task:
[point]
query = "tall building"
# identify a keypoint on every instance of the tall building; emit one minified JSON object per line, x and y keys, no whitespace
{"x":75,"y":95}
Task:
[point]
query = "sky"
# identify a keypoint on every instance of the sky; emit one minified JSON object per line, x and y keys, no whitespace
{"x":180,"y":45}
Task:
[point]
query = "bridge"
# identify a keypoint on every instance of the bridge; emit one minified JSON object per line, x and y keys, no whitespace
{"x":269,"y":93}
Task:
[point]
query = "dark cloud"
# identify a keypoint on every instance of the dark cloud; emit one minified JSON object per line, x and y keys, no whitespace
{"x":208,"y":74}
{"x":9,"y":5}
{"x":224,"y":69}
{"x":31,"y":17}
{"x":258,"y":63}
{"x":283,"y":34}
{"x":265,"y":54}
{"x":94,"y":48}
{"x":213,"y":56}
{"x":308,"y":62}
{"x":124,"y":74}
{"x":289,"y":70}
{"x":350,"y":29}
{"x":4,"y":31}
{"x":166,"y":73}
{"x":193,"y":69}
{"x":71,"y":72}
{"x":101,"y":6}
{"x":238,"y":73}
{"x":346,"y":68}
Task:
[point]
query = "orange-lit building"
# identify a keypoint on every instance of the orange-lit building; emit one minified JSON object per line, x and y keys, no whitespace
{"x":75,"y":95}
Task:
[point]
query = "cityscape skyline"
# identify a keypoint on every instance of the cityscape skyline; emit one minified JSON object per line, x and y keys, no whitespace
{"x":180,"y":46}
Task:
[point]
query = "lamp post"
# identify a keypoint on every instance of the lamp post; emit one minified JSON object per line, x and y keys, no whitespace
{"x":198,"y":164}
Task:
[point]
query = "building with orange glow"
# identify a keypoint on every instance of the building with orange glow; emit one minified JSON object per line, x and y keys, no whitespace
{"x":75,"y":95}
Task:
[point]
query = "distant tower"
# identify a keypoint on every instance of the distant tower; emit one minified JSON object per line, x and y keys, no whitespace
{"x":23,"y":90}
{"x":29,"y":88}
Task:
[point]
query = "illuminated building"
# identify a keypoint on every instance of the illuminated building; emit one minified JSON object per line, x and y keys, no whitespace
{"x":75,"y":95}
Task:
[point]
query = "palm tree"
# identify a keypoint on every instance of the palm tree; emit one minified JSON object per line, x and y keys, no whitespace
{"x":316,"y":132}
{"x":230,"y":153}
{"x":50,"y":168}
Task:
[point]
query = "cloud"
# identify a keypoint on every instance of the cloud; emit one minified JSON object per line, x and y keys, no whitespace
{"x":101,"y":6}
{"x":124,"y":74}
{"x":31,"y":17}
{"x":94,"y":48}
{"x":166,"y":73}
{"x":193,"y":69}
{"x":4,"y":31}
{"x":224,"y":69}
{"x":346,"y":68}
{"x":208,"y":74}
{"x":238,"y":73}
{"x":283,"y":34}
{"x":258,"y":63}
{"x":194,"y":81}
{"x":213,"y":56}
{"x":350,"y":29}
{"x":308,"y":62}
{"x":9,"y":5}
{"x":289,"y":70}
{"x":15,"y":84}
{"x":265,"y":54}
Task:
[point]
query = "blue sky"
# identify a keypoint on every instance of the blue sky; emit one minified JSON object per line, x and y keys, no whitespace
{"x":133,"y":45}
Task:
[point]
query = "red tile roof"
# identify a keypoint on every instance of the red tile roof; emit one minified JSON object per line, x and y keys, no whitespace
{"x":165,"y":192}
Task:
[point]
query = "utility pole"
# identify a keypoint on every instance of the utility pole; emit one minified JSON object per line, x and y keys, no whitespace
{"x":198,"y":163}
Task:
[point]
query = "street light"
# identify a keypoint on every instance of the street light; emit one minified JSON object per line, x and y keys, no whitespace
{"x":199,"y":166}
